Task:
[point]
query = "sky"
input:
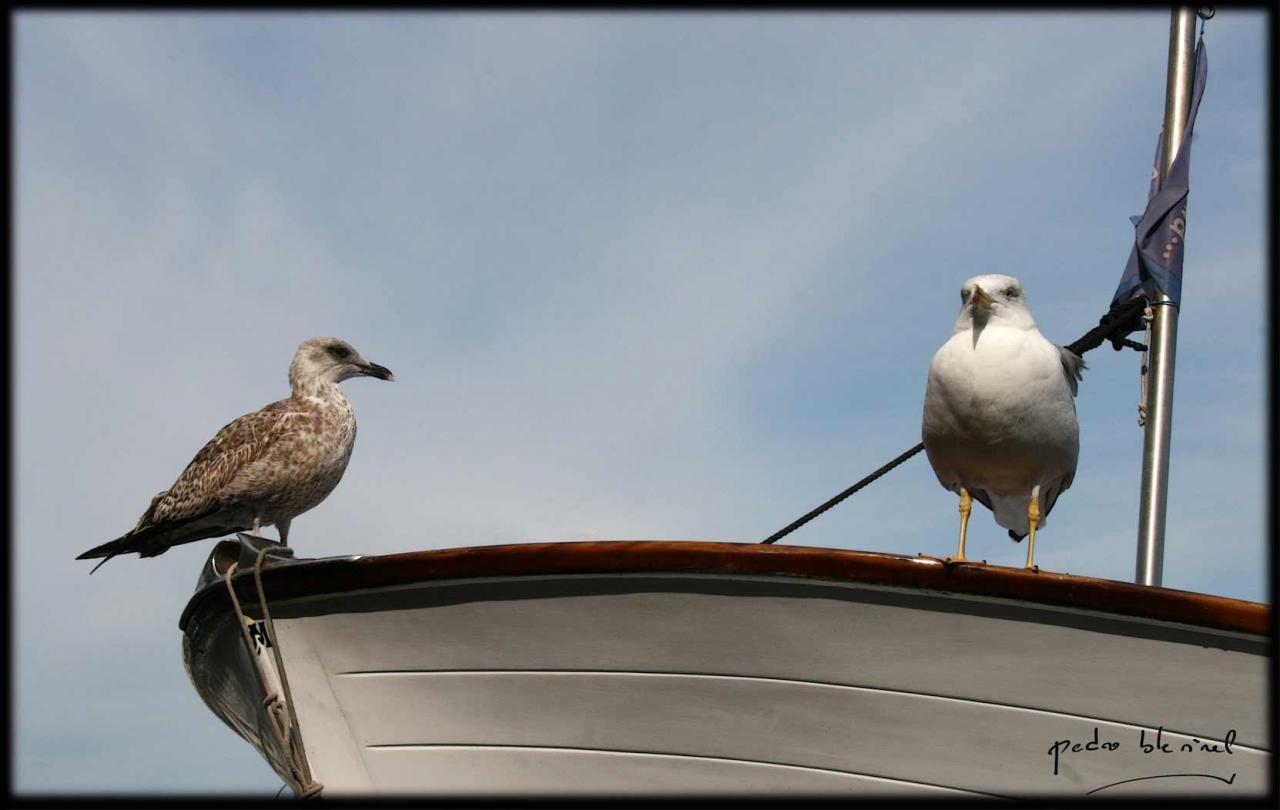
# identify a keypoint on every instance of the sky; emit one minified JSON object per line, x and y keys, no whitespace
{"x":639,"y":276}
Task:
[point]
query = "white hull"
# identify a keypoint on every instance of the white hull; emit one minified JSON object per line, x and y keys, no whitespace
{"x":715,"y":683}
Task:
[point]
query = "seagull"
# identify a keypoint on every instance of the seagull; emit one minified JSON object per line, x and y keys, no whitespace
{"x":265,"y":468}
{"x":1000,"y":413}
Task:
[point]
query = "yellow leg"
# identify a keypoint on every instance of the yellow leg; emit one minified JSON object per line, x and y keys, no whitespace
{"x":966,"y":505}
{"x":1033,"y":516}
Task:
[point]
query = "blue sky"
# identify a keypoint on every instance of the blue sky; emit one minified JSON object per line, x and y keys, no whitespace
{"x":639,"y":276}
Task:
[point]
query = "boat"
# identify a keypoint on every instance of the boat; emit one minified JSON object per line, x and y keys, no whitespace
{"x":710,"y":668}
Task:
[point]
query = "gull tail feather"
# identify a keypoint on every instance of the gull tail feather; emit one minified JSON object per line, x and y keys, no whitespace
{"x":105,"y":560}
{"x":147,"y":542}
{"x":121,"y":545}
{"x":157,"y":538}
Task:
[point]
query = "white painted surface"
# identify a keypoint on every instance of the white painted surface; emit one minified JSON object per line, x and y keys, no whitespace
{"x":457,"y":770}
{"x":653,"y":684}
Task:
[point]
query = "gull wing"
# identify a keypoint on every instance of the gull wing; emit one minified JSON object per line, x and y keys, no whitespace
{"x":235,"y":446}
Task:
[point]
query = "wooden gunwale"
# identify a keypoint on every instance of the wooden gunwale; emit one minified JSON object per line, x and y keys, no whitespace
{"x":341,"y":574}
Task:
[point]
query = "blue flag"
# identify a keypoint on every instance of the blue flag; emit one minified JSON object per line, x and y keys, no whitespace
{"x":1155,"y":263}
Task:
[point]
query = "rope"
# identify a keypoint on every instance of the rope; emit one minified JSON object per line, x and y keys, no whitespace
{"x":1148,"y":317}
{"x":284,"y":720}
{"x":1205,"y":13}
{"x":1120,"y":320}
{"x":290,"y":720}
{"x":837,"y":499}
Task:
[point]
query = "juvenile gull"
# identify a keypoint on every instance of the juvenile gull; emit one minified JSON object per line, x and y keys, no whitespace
{"x":265,"y":468}
{"x":1000,"y":413}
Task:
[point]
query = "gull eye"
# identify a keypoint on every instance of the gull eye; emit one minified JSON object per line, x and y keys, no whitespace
{"x":964,"y":295}
{"x":340,"y":352}
{"x":1011,"y":292}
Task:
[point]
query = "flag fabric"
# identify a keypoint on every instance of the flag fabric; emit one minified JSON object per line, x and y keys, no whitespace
{"x":1155,"y":262}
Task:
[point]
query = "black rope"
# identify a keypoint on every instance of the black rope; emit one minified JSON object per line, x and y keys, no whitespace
{"x":837,"y":499}
{"x":1119,"y":321}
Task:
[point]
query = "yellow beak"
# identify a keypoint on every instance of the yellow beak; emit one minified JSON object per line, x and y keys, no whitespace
{"x":980,"y":297}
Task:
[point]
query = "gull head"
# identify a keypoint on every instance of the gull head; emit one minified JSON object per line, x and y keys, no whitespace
{"x":329,"y":360}
{"x":993,"y":300}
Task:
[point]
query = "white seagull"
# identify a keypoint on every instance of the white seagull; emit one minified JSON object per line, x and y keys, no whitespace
{"x":266,"y":467}
{"x":1000,"y":413}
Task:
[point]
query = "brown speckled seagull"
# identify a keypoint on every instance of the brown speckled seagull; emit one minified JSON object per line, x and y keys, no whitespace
{"x":265,"y":468}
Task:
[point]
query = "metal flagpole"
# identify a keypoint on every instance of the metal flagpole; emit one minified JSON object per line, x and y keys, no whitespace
{"x":1153,"y":498}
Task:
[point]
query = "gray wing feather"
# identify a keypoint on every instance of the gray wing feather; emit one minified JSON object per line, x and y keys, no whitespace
{"x":1073,"y":366}
{"x":234,"y":447}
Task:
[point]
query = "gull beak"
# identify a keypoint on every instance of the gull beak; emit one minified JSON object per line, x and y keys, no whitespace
{"x":375,"y":370}
{"x":980,"y":298}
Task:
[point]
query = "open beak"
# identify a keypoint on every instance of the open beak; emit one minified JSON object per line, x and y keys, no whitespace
{"x":375,"y":370}
{"x":980,"y":298}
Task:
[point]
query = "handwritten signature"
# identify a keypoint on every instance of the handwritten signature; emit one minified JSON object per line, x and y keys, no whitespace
{"x":1148,"y":742}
